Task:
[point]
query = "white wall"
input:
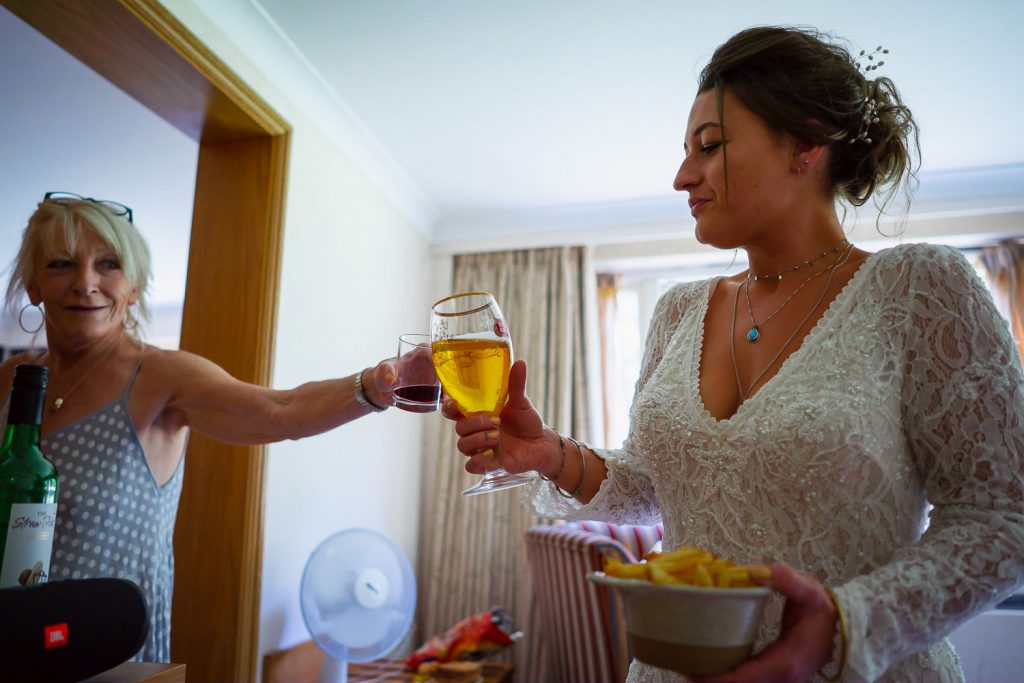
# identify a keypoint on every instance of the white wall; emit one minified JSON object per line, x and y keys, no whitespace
{"x":354,"y":276}
{"x":989,"y":646}
{"x":352,"y":280}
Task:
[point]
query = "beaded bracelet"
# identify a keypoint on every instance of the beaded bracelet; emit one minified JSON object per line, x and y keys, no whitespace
{"x":842,"y":635}
{"x":561,"y":468}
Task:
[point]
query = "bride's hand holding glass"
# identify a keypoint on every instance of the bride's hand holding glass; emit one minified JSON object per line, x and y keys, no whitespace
{"x":524,"y":441}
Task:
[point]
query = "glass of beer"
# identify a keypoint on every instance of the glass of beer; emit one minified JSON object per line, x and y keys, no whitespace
{"x":472,"y":355}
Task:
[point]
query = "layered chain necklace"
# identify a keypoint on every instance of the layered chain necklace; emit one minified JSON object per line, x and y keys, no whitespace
{"x":842,"y":258}
{"x":809,"y":262}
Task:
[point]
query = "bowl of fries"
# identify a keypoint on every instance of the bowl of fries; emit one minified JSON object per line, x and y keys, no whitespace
{"x":687,"y":610}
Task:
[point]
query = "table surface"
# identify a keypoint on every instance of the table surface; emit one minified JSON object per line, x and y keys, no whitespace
{"x":392,"y":670}
{"x":301,"y":664}
{"x":141,"y":672}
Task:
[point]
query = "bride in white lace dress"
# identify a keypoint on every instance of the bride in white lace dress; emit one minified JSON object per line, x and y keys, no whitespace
{"x":855,"y":420}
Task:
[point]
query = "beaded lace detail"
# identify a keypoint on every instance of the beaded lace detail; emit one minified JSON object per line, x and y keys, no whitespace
{"x":906,"y":394}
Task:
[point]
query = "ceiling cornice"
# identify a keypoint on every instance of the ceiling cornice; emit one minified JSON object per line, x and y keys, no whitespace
{"x":960,"y":193}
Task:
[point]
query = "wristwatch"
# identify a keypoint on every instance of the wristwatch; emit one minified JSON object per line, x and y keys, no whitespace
{"x":364,"y":400}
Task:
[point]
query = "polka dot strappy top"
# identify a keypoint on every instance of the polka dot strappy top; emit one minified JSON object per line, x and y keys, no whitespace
{"x":113,"y":519}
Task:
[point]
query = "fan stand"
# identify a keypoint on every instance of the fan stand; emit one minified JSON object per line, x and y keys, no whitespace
{"x":333,"y":670}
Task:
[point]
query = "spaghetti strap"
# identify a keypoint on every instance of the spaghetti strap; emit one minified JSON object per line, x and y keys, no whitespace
{"x":135,"y":372}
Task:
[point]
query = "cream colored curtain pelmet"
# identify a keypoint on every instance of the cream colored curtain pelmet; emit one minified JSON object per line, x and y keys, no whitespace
{"x":471,"y":554}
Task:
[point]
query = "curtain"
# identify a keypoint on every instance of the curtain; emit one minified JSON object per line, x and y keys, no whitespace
{"x":607,"y":289}
{"x":472,"y":554}
{"x":1005,"y":265}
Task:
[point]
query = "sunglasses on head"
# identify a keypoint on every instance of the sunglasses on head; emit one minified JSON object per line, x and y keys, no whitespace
{"x":116,"y":208}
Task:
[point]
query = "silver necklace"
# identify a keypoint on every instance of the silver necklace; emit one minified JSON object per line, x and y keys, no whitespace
{"x":732,"y":336}
{"x":755,"y":327}
{"x":808,"y":262}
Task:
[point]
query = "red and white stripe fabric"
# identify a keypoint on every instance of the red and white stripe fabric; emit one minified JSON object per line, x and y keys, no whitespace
{"x":583,"y":634}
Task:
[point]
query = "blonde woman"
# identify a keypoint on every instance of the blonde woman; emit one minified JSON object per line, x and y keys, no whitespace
{"x":119,"y":412}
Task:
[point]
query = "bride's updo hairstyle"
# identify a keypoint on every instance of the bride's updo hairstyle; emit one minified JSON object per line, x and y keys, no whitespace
{"x":802,"y":83}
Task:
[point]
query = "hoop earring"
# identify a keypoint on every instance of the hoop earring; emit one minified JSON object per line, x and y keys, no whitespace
{"x":21,"y":314}
{"x":129,"y":317}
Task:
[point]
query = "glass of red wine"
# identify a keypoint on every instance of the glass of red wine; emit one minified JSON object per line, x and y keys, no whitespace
{"x":418,"y":389}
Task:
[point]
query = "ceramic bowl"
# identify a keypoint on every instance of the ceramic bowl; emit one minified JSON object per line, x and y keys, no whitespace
{"x":688,"y":629}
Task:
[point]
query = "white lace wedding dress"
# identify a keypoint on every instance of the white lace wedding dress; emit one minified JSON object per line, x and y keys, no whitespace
{"x":907,"y":392}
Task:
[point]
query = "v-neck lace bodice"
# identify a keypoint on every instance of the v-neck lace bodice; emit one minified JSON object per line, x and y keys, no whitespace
{"x":703,"y":301}
{"x":906,"y":393}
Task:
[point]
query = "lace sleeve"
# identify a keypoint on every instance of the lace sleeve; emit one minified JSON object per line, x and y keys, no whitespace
{"x":627,"y":495}
{"x":963,"y":416}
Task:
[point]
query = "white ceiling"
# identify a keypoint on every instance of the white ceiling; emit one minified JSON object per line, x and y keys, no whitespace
{"x":502,"y":112}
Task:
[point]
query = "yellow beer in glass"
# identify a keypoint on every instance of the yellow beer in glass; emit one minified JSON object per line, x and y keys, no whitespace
{"x":474,"y":372}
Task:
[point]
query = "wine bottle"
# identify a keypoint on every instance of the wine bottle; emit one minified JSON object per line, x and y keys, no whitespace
{"x":28,"y":485}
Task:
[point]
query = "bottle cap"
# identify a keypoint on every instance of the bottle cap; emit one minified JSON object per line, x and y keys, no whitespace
{"x":30,"y":376}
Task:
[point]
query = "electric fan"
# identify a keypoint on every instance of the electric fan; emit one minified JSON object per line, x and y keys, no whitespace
{"x":357,"y":597}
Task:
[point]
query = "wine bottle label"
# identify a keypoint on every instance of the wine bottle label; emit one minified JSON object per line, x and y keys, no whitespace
{"x":26,"y":558}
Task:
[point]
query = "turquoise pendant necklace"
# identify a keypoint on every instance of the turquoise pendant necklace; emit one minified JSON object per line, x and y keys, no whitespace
{"x":754,"y":333}
{"x":745,"y":393}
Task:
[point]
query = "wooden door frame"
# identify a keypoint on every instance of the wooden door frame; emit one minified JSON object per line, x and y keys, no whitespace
{"x":230,"y":297}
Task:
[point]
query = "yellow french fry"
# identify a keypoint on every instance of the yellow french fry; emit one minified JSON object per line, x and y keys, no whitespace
{"x":612,"y":565}
{"x":678,"y":566}
{"x":658,"y":575}
{"x":739,"y":575}
{"x":625,"y":570}
{"x":635,"y":570}
{"x":702,"y":577}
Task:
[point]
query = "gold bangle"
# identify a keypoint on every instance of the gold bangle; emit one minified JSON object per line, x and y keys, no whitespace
{"x":561,"y":468}
{"x":841,"y":618}
{"x":561,"y":465}
{"x":583,"y":466}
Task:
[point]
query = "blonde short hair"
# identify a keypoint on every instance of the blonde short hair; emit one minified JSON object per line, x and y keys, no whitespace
{"x":69,"y":218}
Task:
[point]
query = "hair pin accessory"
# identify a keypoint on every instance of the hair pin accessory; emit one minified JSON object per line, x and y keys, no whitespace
{"x":871,"y":105}
{"x":870,"y":56}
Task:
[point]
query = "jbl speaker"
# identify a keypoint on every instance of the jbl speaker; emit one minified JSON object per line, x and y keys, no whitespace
{"x":69,"y":630}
